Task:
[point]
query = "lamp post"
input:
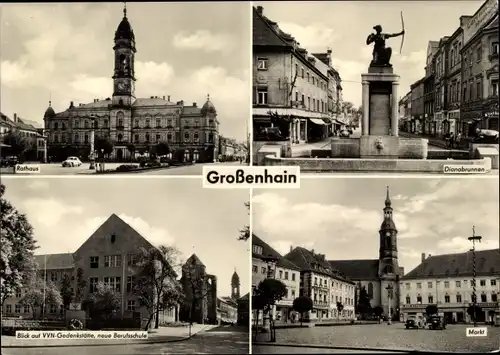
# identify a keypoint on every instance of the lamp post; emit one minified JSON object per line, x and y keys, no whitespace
{"x":390,"y":290}
{"x":474,"y":238}
{"x":92,"y":134}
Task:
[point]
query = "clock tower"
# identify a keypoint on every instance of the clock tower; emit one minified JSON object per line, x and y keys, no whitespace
{"x":124,"y":73}
{"x":388,"y":252}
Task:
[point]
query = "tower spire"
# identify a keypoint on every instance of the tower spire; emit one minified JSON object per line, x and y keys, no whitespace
{"x":208,"y":97}
{"x":387,"y":198}
{"x":124,"y":9}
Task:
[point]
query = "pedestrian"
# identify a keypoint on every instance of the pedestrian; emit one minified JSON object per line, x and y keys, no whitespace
{"x":458,"y":138}
{"x":452,"y":140}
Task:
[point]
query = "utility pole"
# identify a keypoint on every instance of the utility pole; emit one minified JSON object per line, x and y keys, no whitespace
{"x":474,"y":238}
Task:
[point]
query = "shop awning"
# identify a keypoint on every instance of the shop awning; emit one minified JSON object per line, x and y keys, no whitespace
{"x":317,"y":121}
{"x":327,"y":120}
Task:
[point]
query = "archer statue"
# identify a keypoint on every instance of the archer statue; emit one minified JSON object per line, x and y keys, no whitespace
{"x":381,"y":53}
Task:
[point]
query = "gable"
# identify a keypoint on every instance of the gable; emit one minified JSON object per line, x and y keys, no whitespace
{"x":263,"y":34}
{"x":114,"y":236}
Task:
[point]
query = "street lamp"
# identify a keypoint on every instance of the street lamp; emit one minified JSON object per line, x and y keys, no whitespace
{"x":390,"y":290}
{"x":474,"y":238}
{"x":92,"y":134}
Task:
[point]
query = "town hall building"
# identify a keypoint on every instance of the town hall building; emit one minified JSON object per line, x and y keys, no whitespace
{"x":134,"y":125}
{"x":380,"y":277}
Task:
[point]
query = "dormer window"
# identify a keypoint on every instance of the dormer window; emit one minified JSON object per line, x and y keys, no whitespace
{"x":257,"y":249}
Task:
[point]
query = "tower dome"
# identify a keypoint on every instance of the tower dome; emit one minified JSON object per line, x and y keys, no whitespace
{"x":124,"y":30}
{"x":208,"y":108}
{"x":235,"y":279}
{"x":49,"y":112}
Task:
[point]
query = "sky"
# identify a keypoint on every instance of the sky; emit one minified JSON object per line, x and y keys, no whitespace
{"x":165,"y":211}
{"x":64,"y":52}
{"x":344,"y":25}
{"x":341,"y":217}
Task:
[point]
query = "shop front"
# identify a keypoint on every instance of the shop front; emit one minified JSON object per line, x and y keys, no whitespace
{"x":490,"y":114}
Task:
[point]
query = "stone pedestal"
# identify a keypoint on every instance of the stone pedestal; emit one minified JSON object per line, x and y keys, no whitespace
{"x":380,"y":114}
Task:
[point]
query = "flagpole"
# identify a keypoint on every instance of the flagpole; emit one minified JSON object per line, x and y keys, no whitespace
{"x":44,"y":283}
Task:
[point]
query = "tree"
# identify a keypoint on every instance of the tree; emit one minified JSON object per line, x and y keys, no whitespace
{"x":103,"y":146}
{"x":81,"y":284}
{"x":340,"y":307}
{"x":282,"y":123}
{"x":378,"y":311}
{"x":431,"y":309}
{"x":18,"y":143}
{"x":163,"y":148}
{"x":363,"y":304}
{"x":272,"y":291}
{"x":104,"y":302}
{"x":156,"y":285}
{"x":473,"y":311}
{"x":18,"y":244}
{"x":245,"y":232}
{"x":302,"y":304}
{"x":66,"y":291}
{"x":39,"y":294}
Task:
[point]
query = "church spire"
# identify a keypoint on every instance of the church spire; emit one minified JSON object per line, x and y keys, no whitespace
{"x":387,"y":199}
{"x":124,"y":9}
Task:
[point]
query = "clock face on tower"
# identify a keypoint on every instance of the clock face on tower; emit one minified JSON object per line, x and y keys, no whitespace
{"x":122,"y":86}
{"x":387,"y":234}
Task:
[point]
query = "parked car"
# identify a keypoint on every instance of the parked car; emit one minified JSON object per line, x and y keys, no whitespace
{"x":411,"y":323}
{"x":71,"y":162}
{"x":436,"y":323}
{"x":9,"y":161}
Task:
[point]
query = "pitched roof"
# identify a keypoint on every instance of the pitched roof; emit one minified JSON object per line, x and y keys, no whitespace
{"x":307,"y":260}
{"x":458,"y":265}
{"x":115,"y":225}
{"x":267,"y":250}
{"x":245,"y":297}
{"x":263,"y":32}
{"x":228,"y":300}
{"x":357,"y":270}
{"x":54,"y":261}
{"x":287,"y":264}
{"x":194,"y":260}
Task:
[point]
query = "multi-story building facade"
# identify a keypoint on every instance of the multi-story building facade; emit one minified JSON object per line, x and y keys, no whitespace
{"x":405,"y":113}
{"x":287,"y":81}
{"x":453,"y":79}
{"x":200,"y":290}
{"x":37,"y":141}
{"x":380,"y":277}
{"x":440,"y":87}
{"x":134,"y":125}
{"x":325,"y":285}
{"x":288,"y":273}
{"x":429,"y":125}
{"x":446,"y":281}
{"x":479,"y":75}
{"x":417,"y":107}
{"x":110,"y":256}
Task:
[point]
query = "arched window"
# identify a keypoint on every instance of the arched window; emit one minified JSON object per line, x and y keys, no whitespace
{"x":86,"y":124}
{"x":120,"y":137}
{"x":120,"y":123}
{"x":76,"y":124}
{"x":106,"y":123}
{"x":86,"y":138}
{"x":186,"y":137}
{"x":96,"y":123}
{"x":370,"y":290}
{"x":119,"y":119}
{"x":56,"y":125}
{"x":389,"y":269}
{"x":147,"y":137}
{"x":136,"y":123}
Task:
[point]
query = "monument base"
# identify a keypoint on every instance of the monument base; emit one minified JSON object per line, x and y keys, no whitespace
{"x":379,"y":147}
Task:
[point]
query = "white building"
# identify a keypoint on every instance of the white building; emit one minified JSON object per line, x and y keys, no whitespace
{"x":326,"y":286}
{"x":447,"y":282}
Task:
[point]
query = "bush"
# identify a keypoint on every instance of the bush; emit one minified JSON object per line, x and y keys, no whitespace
{"x":127,"y":167}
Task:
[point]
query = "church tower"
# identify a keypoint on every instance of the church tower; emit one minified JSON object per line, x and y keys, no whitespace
{"x":388,"y":251}
{"x":235,"y":286}
{"x":123,"y":77}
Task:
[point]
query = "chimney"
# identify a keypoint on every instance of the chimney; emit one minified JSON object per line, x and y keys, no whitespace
{"x":291,"y":248}
{"x":168,"y":98}
{"x":260,"y":10}
{"x":312,"y":251}
{"x":71,"y":104}
{"x":423,"y":257}
{"x":194,"y":104}
{"x":329,"y":51}
{"x":429,"y":256}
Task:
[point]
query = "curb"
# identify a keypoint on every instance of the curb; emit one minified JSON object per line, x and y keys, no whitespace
{"x":152,"y":341}
{"x":288,"y":345}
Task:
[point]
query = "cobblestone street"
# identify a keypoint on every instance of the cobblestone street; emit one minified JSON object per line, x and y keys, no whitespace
{"x":393,"y":337}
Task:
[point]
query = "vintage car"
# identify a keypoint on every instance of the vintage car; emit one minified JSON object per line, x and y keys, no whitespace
{"x":436,"y":322}
{"x":411,"y":323}
{"x":71,"y":162}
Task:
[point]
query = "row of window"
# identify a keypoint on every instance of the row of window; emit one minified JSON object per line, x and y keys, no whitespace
{"x":114,"y":282}
{"x":346,"y":301}
{"x":112,"y":261}
{"x":138,"y":138}
{"x":458,"y":298}
{"x":315,"y":105}
{"x":458,"y":283}
{"x":263,"y":64}
{"x":53,"y":309}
